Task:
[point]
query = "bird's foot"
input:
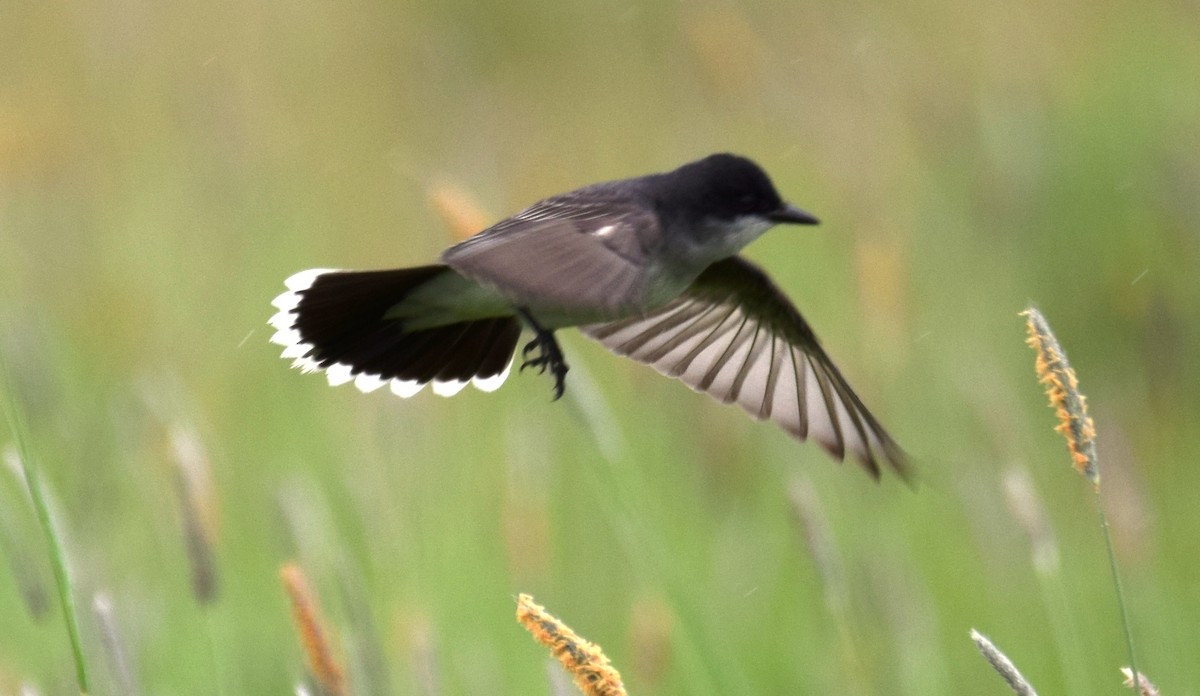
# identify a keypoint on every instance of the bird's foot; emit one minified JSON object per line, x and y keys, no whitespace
{"x":549,"y":355}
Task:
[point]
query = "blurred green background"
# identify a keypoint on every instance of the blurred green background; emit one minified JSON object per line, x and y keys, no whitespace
{"x":163,"y":166}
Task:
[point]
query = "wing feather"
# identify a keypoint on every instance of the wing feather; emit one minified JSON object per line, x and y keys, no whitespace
{"x":572,"y":254}
{"x":733,"y":335}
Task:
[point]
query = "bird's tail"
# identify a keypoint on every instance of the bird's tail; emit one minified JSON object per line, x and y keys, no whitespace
{"x":346,"y":323}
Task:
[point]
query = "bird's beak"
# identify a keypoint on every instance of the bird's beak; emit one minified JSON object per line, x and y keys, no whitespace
{"x":790,"y":214}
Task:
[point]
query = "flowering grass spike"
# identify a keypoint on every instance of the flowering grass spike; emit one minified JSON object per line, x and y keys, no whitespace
{"x":1003,"y":666}
{"x":1055,"y":373}
{"x":593,"y":673}
{"x":1058,"y":377}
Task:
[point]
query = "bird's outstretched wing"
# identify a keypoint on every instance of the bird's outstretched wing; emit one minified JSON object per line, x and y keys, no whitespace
{"x":734,"y":335}
{"x":581,"y":255}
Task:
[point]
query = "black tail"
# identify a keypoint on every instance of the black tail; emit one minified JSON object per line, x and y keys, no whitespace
{"x":336,"y":321}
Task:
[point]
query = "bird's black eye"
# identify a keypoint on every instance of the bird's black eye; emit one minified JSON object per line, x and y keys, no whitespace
{"x":747,"y":201}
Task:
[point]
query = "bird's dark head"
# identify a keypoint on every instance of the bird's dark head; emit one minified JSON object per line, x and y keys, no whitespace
{"x":720,"y":204}
{"x":727,"y":188}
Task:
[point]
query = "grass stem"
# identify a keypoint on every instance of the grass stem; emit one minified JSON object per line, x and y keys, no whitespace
{"x":1062,"y":387}
{"x":33,"y":481}
{"x":1116,"y":575}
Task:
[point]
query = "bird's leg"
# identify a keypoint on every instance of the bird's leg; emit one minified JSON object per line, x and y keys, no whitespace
{"x":549,"y":354}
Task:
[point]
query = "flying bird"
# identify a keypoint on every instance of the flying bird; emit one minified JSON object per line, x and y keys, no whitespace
{"x":647,"y":266}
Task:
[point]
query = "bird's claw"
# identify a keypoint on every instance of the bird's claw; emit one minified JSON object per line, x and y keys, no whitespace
{"x":549,"y":356}
{"x":529,"y":348}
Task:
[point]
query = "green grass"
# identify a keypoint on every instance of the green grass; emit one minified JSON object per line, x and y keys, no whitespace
{"x":28,"y":472}
{"x":163,"y":168}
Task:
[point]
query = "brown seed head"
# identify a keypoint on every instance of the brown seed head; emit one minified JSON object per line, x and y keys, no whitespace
{"x":322,"y":664}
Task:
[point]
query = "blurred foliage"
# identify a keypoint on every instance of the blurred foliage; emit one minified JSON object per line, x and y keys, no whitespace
{"x":164,"y":166}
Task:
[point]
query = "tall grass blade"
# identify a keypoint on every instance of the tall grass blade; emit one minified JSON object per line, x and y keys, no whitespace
{"x":33,"y":480}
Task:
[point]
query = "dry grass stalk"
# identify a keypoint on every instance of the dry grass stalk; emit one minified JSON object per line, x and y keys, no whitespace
{"x":197,"y":501}
{"x":1058,"y":377}
{"x":422,"y":653}
{"x":1030,"y":512}
{"x":1144,"y":687}
{"x":322,"y":664}
{"x":593,"y":673}
{"x":814,"y":526}
{"x":1003,"y":666}
{"x":458,"y":210}
{"x":728,"y":52}
{"x":114,"y":647}
{"x":651,"y":626}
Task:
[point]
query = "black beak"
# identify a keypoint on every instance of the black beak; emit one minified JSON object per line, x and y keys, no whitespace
{"x":790,"y":214}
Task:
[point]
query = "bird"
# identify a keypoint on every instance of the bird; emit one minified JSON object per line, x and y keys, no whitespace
{"x":648,"y":266}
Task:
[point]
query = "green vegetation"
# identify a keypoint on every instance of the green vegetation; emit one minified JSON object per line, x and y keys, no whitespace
{"x":164,"y":167}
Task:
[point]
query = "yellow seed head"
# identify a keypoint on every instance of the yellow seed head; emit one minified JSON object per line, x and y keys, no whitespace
{"x":1062,"y":387}
{"x":586,"y":662}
